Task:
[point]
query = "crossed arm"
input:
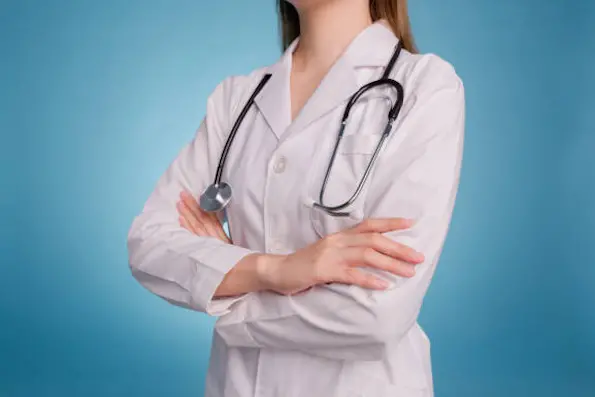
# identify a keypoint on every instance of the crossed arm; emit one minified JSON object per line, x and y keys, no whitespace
{"x":257,"y":303}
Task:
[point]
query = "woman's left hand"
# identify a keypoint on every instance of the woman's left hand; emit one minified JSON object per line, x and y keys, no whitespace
{"x":197,"y":221}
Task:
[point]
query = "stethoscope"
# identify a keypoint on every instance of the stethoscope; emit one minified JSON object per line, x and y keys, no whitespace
{"x":218,"y":195}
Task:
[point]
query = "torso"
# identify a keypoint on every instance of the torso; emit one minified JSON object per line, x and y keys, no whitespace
{"x":276,"y":166}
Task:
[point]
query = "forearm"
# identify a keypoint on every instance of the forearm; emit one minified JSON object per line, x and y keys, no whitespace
{"x":337,"y":321}
{"x":246,"y":276}
{"x":323,"y":321}
{"x":330,"y":320}
{"x":176,"y":265}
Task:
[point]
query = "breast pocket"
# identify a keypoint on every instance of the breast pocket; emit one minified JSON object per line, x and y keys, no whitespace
{"x":353,"y":156}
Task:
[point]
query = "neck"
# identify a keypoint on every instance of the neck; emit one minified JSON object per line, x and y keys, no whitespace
{"x":327,"y":29}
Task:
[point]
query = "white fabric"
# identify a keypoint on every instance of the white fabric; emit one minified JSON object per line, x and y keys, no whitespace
{"x":333,"y":340}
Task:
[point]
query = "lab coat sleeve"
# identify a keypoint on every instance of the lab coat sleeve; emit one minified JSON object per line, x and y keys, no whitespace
{"x":417,"y":178}
{"x":168,"y":260}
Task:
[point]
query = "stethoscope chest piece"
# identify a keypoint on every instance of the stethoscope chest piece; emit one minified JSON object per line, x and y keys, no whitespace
{"x":216,"y":197}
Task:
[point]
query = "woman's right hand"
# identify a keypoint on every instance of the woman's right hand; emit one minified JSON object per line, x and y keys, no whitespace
{"x":336,"y":258}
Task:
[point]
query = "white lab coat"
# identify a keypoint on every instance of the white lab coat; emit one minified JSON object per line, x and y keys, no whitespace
{"x":333,"y":340}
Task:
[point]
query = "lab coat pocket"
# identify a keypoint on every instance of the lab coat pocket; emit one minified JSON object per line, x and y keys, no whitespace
{"x":353,"y":156}
{"x":359,"y":144}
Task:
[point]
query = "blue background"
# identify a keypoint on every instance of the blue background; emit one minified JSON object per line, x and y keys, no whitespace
{"x":98,"y":97}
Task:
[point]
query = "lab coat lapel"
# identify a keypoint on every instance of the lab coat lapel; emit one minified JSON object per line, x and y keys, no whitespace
{"x":371,"y":48}
{"x":274,"y":100}
{"x":334,"y":90}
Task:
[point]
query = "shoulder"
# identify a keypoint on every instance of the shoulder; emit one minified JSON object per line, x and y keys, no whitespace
{"x":434,"y":100}
{"x":434,"y":91}
{"x":421,"y":74}
{"x":232,"y":92}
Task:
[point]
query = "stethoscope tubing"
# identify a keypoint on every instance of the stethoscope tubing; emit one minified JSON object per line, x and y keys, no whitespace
{"x":392,"y":116}
{"x":236,"y":126}
{"x":213,"y":194}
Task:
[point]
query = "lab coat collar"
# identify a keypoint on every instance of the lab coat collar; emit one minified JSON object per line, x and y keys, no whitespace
{"x":373,"y":47}
{"x":274,"y":101}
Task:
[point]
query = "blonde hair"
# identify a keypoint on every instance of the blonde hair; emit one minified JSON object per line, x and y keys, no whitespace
{"x":393,"y":11}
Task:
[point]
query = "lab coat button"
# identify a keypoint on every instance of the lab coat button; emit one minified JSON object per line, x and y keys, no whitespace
{"x":280,"y":165}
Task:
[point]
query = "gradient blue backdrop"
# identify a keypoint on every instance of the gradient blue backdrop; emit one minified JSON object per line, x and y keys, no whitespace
{"x":98,"y":97}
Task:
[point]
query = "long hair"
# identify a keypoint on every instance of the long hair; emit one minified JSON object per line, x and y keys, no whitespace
{"x":394,"y":11}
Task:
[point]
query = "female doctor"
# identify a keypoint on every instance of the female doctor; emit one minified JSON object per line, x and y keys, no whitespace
{"x":318,"y":289}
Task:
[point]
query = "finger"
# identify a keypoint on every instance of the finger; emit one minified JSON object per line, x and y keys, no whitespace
{"x":205,"y":217}
{"x":191,"y":203}
{"x":208,"y":223}
{"x":183,"y":215}
{"x":217,"y":228}
{"x":194,"y":223}
{"x":209,"y":220}
{"x":222,"y":235}
{"x":191,"y":215}
{"x":193,"y":206}
{"x":185,"y":224}
{"x":354,"y":276}
{"x":384,"y":245}
{"x":365,"y":256}
{"x":381,"y":225}
{"x":212,"y":226}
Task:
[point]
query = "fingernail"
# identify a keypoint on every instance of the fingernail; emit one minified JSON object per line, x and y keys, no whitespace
{"x":419,"y":256}
{"x":381,"y":284}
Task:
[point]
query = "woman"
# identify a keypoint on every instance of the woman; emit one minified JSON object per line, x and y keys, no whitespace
{"x":309,"y":303}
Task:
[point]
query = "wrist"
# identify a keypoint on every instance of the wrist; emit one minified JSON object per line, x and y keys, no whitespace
{"x":267,"y":270}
